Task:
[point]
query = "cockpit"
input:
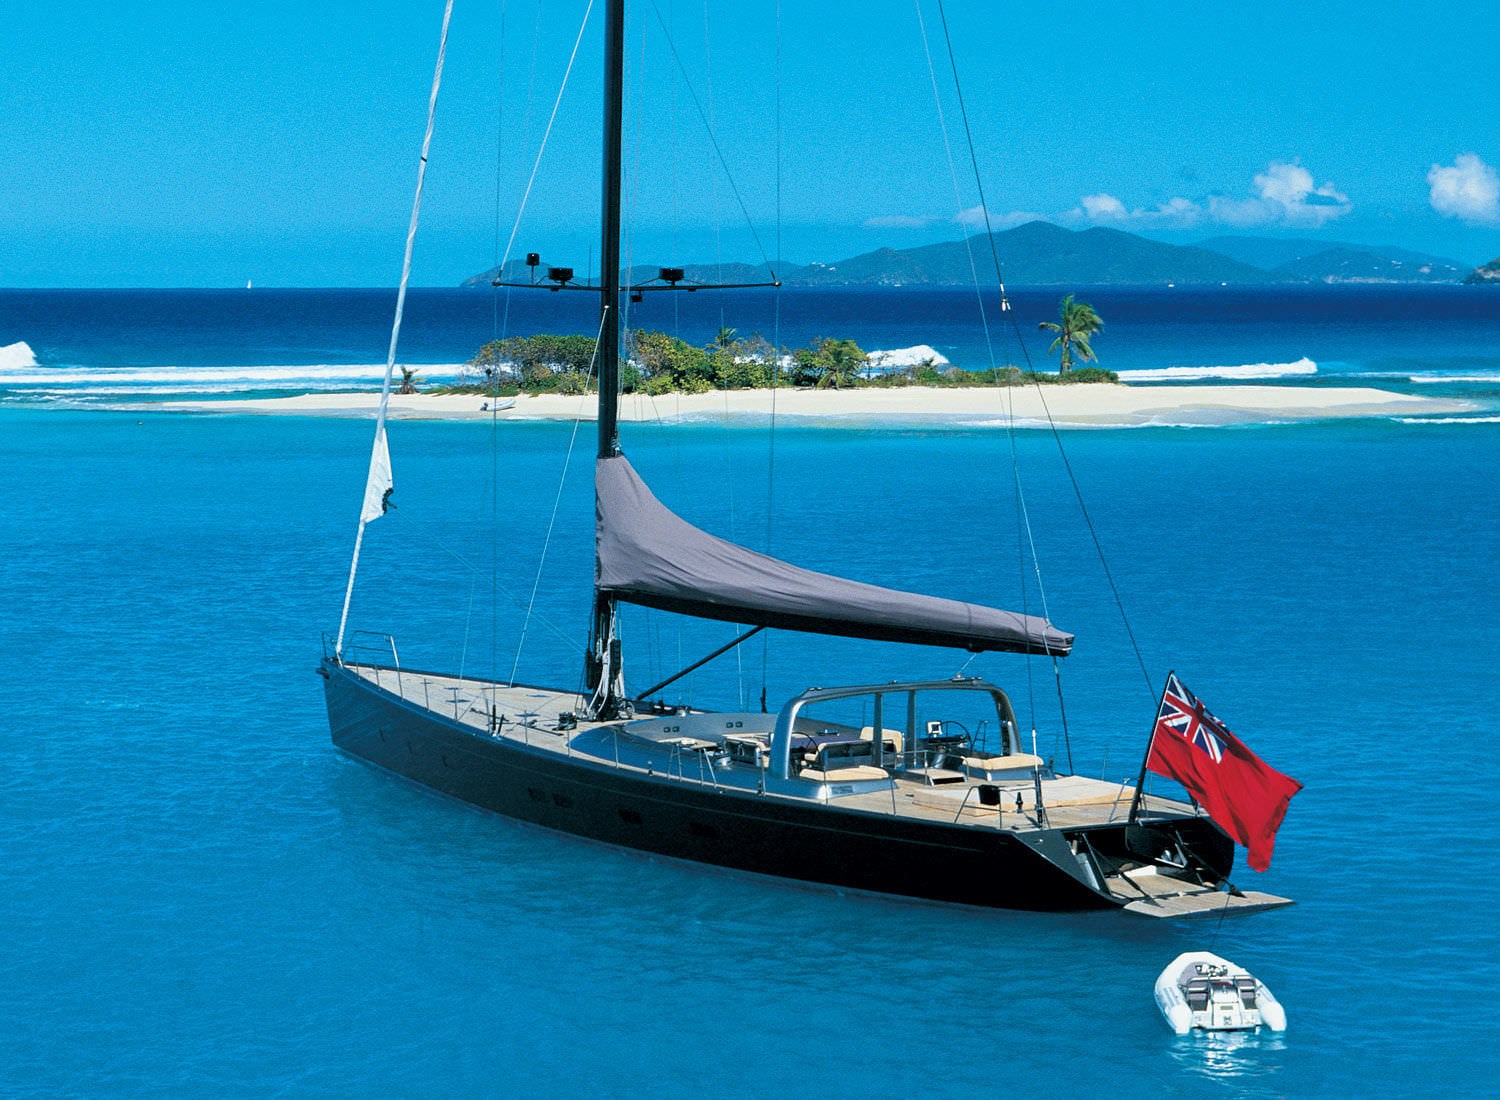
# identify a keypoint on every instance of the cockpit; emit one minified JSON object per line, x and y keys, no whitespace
{"x":934,"y":733}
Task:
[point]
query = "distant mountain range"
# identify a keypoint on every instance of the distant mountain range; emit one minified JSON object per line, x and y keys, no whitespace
{"x":1039,"y":253}
{"x":1338,"y":261}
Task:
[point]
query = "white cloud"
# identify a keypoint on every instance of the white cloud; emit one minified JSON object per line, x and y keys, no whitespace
{"x":897,"y":221}
{"x":973,"y":218}
{"x":1468,"y":189}
{"x":1284,"y":194}
{"x":1103,"y":209}
{"x":1185,"y":212}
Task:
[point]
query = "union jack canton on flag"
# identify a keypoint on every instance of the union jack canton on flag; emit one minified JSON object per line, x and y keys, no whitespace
{"x":1181,"y":713}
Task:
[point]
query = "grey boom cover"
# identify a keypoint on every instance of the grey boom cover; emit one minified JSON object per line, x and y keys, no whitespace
{"x":648,"y":555}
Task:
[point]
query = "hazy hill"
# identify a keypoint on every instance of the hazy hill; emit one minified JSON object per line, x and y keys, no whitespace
{"x":1350,"y":265}
{"x":1283,"y":255}
{"x":1037,"y":253}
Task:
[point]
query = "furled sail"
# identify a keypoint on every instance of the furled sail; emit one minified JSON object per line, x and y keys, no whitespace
{"x":378,"y":485}
{"x":648,"y":555}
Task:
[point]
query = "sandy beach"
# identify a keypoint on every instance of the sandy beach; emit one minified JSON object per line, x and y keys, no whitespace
{"x":1094,"y":405}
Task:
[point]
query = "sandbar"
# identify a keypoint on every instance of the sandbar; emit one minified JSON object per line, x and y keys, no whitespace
{"x":1083,"y":405}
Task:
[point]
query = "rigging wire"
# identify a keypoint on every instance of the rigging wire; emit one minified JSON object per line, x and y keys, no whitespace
{"x":557,"y":500}
{"x":1051,"y":423}
{"x":713,"y":138}
{"x":1023,"y":514}
{"x":708,"y":79}
{"x":1056,"y":435}
{"x":633,"y":187}
{"x":536,"y":40}
{"x":1020,"y":498}
{"x":546,"y":135}
{"x":674,"y":164}
{"x":515,"y":600}
{"x":765,"y":644}
{"x":505,"y":258}
{"x":1022,"y":520}
{"x":984,"y":209}
{"x":390,"y":361}
{"x":463,"y":653}
{"x":499,"y":161}
{"x":636,"y":80}
{"x":495,"y":335}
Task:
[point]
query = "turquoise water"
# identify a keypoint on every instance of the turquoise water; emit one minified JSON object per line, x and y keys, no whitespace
{"x":205,"y":898}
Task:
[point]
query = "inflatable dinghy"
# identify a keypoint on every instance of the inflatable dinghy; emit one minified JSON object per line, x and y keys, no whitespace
{"x":1201,"y":990}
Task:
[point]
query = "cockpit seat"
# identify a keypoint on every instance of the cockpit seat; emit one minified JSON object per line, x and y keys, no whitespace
{"x":892,"y":738}
{"x":1197,"y":994}
{"x":1013,"y":766}
{"x":843,"y":775}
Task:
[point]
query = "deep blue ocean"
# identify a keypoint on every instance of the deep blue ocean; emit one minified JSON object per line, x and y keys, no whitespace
{"x":204,"y":898}
{"x":93,"y":346}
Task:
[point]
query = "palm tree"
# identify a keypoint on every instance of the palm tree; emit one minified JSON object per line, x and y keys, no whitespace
{"x":409,"y":380}
{"x":842,"y":360}
{"x":726,"y":338}
{"x":1076,"y":324}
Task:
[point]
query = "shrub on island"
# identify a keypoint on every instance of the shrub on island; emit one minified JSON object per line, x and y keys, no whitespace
{"x":657,"y":363}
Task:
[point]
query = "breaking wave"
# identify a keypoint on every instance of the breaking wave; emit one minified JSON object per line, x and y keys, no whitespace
{"x":1243,"y":371}
{"x":19,"y":375}
{"x":1446,"y":419}
{"x":17,"y":356}
{"x":1439,"y":378}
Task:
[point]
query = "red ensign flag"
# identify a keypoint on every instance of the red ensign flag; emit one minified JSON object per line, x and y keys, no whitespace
{"x":1245,"y":795}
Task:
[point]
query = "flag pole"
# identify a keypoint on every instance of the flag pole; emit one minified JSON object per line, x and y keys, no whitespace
{"x":1140,"y":782}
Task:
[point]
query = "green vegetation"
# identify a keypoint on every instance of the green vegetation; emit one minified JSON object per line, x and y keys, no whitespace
{"x":1489,"y":273}
{"x":954,"y":378}
{"x":828,"y":364}
{"x":659,"y":364}
{"x":542,"y":364}
{"x":1075,"y":326}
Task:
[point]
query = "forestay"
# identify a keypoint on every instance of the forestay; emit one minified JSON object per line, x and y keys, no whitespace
{"x":648,"y":555}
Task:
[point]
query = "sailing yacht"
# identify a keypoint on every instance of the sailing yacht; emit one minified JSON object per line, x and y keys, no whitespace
{"x":916,"y":788}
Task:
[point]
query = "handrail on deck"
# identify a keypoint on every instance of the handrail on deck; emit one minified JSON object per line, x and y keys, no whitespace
{"x":376,"y":635}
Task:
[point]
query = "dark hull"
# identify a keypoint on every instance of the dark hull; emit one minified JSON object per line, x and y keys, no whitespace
{"x":816,"y":843}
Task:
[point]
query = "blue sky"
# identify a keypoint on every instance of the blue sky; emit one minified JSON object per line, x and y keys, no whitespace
{"x":168,"y":144}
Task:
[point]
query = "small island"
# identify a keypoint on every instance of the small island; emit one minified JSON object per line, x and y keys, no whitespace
{"x":658,"y":364}
{"x":830,"y":381}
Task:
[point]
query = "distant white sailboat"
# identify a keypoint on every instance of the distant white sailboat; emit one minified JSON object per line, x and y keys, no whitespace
{"x":248,"y":284}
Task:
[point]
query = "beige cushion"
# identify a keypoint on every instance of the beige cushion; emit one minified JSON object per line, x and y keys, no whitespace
{"x":843,"y":775}
{"x":893,"y":736}
{"x":1013,"y":762}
